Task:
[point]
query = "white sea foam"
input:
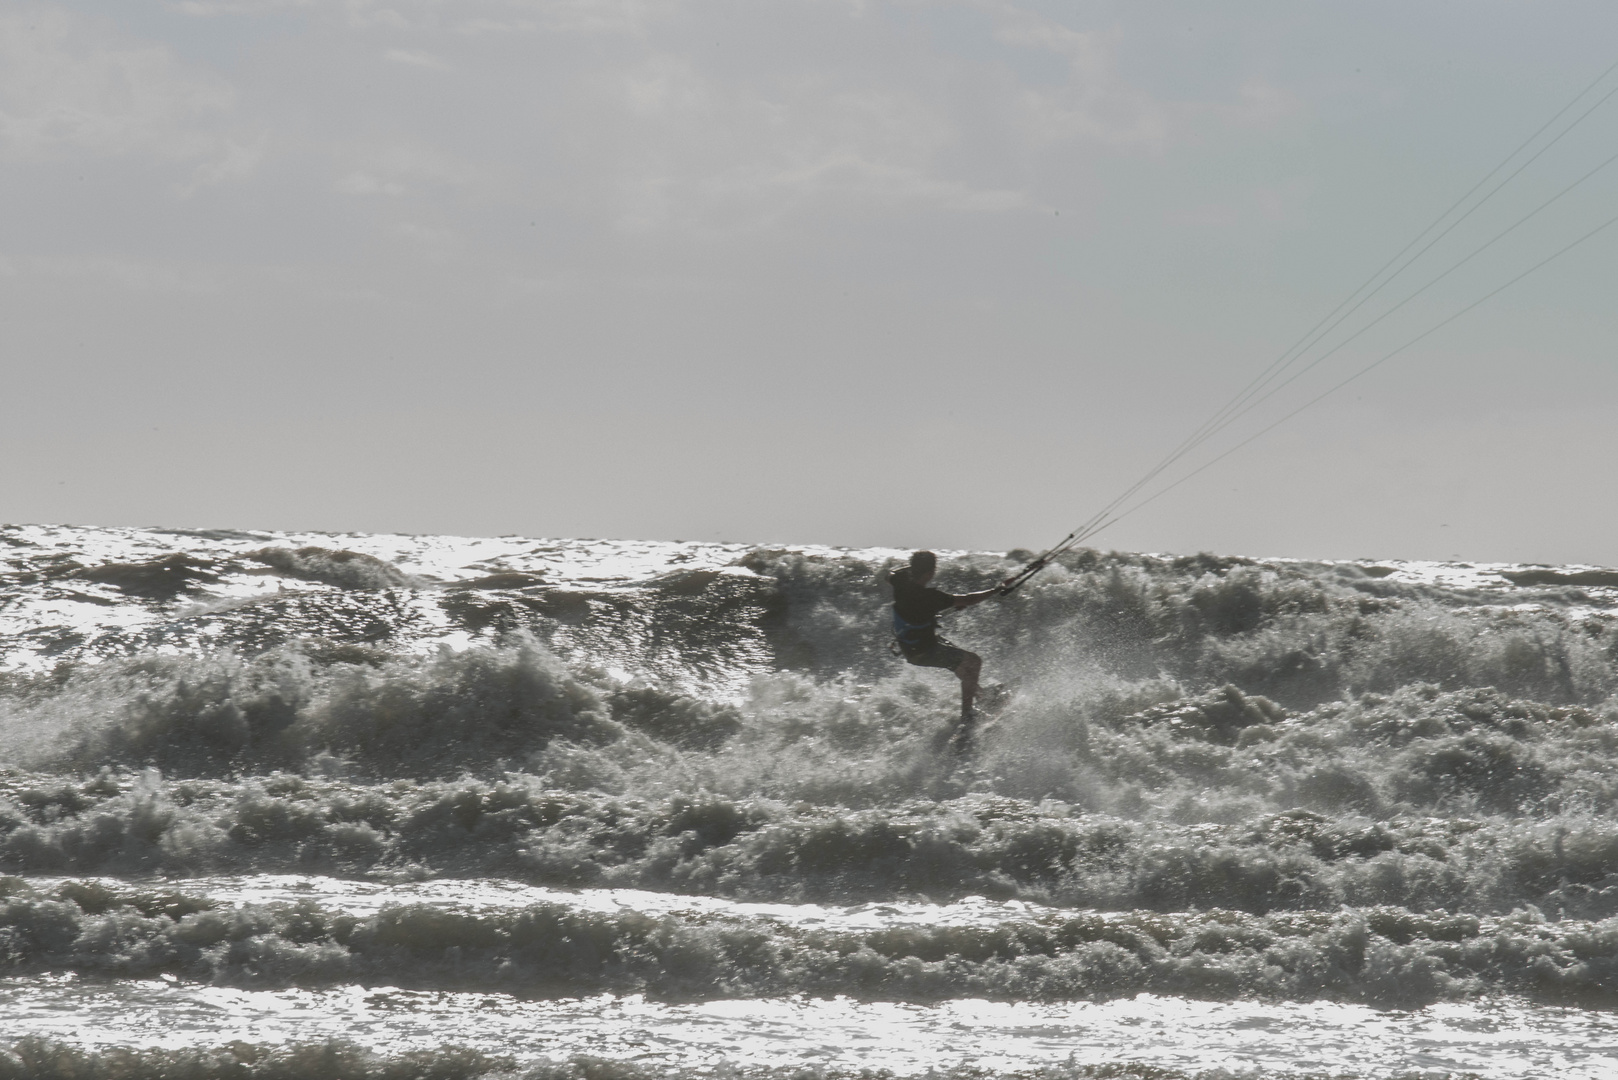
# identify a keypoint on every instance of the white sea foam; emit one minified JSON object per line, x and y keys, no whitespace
{"x":474,"y":896}
{"x":1496,"y":1039}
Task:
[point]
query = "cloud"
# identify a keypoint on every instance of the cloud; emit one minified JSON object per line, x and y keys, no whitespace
{"x":415,"y":59}
{"x":403,"y":166}
{"x":810,"y":128}
{"x":465,"y":17}
{"x":698,"y":149}
{"x":426,"y":235}
{"x":847,"y":175}
{"x":133,"y":274}
{"x":717,"y":117}
{"x":1258,"y":105}
{"x":1094,"y":103}
{"x":356,"y":13}
{"x":234,"y":161}
{"x":207,"y":8}
{"x":578,"y":16}
{"x":363,"y":183}
{"x":68,"y":86}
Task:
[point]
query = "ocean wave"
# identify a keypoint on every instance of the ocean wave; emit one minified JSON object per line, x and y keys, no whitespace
{"x":1382,"y":783}
{"x":37,"y":1058}
{"x":763,"y":849}
{"x":340,"y":567}
{"x":222,"y":712}
{"x":1383,"y":956}
{"x":1143,"y":748}
{"x":708,"y":618}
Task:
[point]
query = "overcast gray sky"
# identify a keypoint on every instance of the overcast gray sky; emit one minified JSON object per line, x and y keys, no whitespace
{"x":947,"y":274}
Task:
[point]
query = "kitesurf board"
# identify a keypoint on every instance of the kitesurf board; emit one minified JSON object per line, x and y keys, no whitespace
{"x":992,"y":702}
{"x":990,"y":707}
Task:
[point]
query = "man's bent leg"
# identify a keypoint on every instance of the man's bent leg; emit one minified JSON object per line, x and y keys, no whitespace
{"x":968,"y":670}
{"x":970,"y":667}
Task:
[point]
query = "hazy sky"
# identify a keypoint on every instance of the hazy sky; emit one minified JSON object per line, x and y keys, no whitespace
{"x":947,"y":274}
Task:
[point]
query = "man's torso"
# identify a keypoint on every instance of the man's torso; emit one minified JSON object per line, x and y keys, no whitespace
{"x":917,"y":608}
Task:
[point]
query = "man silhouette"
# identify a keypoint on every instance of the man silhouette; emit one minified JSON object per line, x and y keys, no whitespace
{"x":916,"y":607}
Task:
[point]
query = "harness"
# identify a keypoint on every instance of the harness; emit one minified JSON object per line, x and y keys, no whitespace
{"x":912,"y":634}
{"x":910,"y":637}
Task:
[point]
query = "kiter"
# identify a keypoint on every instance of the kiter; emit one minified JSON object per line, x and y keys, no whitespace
{"x":916,"y":607}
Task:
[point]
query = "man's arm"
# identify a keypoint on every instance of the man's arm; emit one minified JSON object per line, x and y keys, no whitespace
{"x":966,"y":600}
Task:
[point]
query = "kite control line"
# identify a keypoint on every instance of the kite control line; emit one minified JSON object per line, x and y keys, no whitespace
{"x":1068,"y":542}
{"x":1273,"y":379}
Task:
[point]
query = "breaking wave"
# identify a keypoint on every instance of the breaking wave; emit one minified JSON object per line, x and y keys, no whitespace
{"x":36,"y":1058}
{"x":1217,"y":777}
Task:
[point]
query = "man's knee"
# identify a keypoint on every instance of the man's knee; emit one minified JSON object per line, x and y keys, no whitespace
{"x":971,"y":664}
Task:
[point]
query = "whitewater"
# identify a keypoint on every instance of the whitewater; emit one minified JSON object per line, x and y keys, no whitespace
{"x":309,"y":805}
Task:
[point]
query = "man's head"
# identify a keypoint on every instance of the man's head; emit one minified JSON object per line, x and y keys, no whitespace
{"x":922,"y":565}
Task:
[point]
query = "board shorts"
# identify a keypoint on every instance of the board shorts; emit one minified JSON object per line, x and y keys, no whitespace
{"x":936,"y":653}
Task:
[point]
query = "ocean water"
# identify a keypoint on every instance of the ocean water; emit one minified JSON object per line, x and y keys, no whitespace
{"x":383,"y":806}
